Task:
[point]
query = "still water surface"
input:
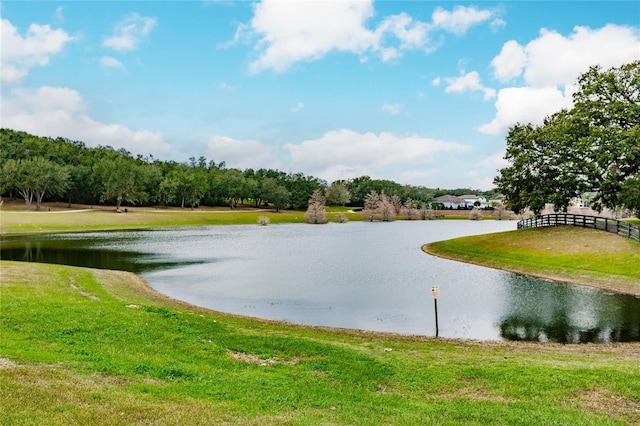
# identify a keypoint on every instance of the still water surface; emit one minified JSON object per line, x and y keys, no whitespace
{"x":370,"y":276}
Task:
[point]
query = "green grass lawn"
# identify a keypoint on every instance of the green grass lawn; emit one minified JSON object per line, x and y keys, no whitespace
{"x":563,"y":253}
{"x":22,"y":222}
{"x":83,"y":346}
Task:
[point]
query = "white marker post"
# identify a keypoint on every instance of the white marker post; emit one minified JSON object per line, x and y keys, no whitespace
{"x":435,"y":293}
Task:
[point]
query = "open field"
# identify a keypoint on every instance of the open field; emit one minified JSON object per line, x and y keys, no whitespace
{"x":15,"y":220}
{"x":567,"y":254}
{"x":83,"y":346}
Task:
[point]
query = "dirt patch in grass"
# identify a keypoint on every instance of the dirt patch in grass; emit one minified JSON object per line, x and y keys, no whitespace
{"x":476,"y":391}
{"x":254,"y":359}
{"x":7,"y":364}
{"x":605,"y":402}
{"x":17,"y":272}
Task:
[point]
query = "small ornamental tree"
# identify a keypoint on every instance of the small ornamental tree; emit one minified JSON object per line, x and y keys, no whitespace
{"x":396,"y":202}
{"x":500,"y":212}
{"x":371,"y":202}
{"x":409,"y":210}
{"x":475,"y":214}
{"x":316,"y":212}
{"x":386,"y":211}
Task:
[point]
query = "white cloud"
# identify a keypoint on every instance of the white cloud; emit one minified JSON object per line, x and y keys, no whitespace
{"x":19,"y":53}
{"x":298,"y":107}
{"x":553,"y":60}
{"x":510,"y":62}
{"x":393,"y":109}
{"x":411,"y":34}
{"x":497,"y":24}
{"x":342,"y":154}
{"x":58,"y":111}
{"x":550,"y":66}
{"x":129,"y":32}
{"x":495,"y":161}
{"x":460,"y":19}
{"x":469,"y":82}
{"x":109,"y":62}
{"x":291,"y":32}
{"x":436,"y":81}
{"x":242,"y":153}
{"x":525,"y":105}
{"x":303,"y":31}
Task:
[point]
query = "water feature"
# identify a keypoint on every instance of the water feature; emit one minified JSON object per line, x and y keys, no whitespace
{"x":370,"y":276}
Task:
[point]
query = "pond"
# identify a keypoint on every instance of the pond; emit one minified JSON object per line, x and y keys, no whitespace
{"x":370,"y":276}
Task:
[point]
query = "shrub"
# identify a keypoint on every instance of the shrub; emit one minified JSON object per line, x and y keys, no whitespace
{"x":341,"y":218}
{"x":316,"y":212}
{"x":476,"y":214}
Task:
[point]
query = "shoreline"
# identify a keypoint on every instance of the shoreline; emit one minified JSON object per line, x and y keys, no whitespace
{"x":84,"y":221}
{"x":616,"y":287}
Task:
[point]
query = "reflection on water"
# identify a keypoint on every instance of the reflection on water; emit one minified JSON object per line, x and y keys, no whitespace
{"x":567,"y":314}
{"x":74,"y":250}
{"x":368,"y":276}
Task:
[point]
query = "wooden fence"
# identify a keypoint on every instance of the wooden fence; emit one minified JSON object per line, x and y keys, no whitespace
{"x":620,"y":227}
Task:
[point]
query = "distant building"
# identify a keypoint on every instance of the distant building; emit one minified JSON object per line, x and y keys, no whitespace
{"x":471,"y":200}
{"x":497,"y":200}
{"x":450,"y":201}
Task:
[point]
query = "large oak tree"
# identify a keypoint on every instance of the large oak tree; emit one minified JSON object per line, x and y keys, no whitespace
{"x":593,"y":147}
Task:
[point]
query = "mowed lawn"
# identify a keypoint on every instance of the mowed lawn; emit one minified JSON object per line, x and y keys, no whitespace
{"x":19,"y":221}
{"x":82,"y":346}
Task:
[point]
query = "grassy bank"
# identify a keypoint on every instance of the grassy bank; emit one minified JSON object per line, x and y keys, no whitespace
{"x":84,"y":346}
{"x":65,"y":220}
{"x":568,"y":254}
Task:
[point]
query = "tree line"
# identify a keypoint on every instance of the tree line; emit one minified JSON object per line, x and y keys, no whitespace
{"x":592,"y":148}
{"x":58,"y":169}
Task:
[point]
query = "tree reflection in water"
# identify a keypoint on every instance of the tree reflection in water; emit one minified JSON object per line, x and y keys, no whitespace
{"x":564,"y":313}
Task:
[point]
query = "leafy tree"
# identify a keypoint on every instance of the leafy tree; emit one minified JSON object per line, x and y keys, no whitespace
{"x":594,"y":147}
{"x":338,"y":194}
{"x":46,"y":177}
{"x":81,"y":185}
{"x":630,"y":195}
{"x":184,"y":184}
{"x":122,"y":180}
{"x":235,"y":186}
{"x":34,"y":178}
{"x":316,"y":212}
{"x":301,"y":187}
{"x":610,"y":102}
{"x":521,"y":182}
{"x":14,"y":177}
{"x":275,"y":193}
{"x":167,"y":190}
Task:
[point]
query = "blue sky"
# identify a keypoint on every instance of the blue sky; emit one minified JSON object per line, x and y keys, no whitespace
{"x":417,"y":92}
